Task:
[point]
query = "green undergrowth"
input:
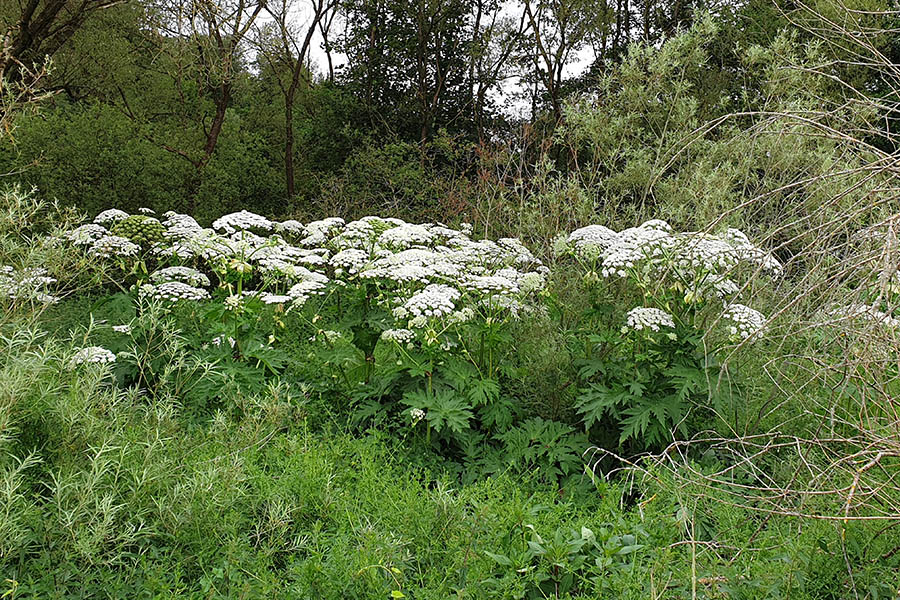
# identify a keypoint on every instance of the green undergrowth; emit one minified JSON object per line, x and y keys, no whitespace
{"x":111,"y":494}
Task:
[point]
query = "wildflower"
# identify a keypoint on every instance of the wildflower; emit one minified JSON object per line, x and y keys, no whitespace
{"x":275,"y":298}
{"x":242,"y":220}
{"x":87,"y":234}
{"x":405,"y":236}
{"x":291,"y":227}
{"x":641,"y":317}
{"x":416,"y":414}
{"x":591,"y":241}
{"x":27,"y":284}
{"x":435,"y":300}
{"x":327,"y":335}
{"x":126,"y":329}
{"x":183,"y":274}
{"x":487,"y":284}
{"x":172,"y":291}
{"x":180,"y":227}
{"x":351,"y":260}
{"x":400,"y":336}
{"x":110,"y":216}
{"x":92,"y":354}
{"x":113,"y":245}
{"x":745,"y":322}
{"x":232,"y":302}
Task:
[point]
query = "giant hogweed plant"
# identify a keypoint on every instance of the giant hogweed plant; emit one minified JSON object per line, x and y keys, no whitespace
{"x":645,"y":373}
{"x":408,"y":323}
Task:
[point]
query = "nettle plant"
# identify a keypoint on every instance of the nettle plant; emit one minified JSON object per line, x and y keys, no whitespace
{"x":408,"y":323}
{"x":644,"y":371}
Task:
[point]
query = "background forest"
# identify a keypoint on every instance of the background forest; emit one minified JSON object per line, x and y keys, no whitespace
{"x":449,"y":299}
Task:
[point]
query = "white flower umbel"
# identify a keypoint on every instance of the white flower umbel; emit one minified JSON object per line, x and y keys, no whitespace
{"x":360,"y":235}
{"x":172,"y":291}
{"x":268,"y":298}
{"x":301,"y":292}
{"x":405,"y":236}
{"x":350,"y":261}
{"x":110,"y":217}
{"x":436,"y":300}
{"x":745,"y":322}
{"x":591,"y":241}
{"x":183,"y":274}
{"x":642,"y":317}
{"x":490,"y":284}
{"x":319,"y":232}
{"x":113,"y":245}
{"x":291,"y":227}
{"x":92,"y":354}
{"x":400,"y":336}
{"x":326,"y":335}
{"x":630,"y":247}
{"x":28,"y":284}
{"x":180,"y":227}
{"x":865,"y":312}
{"x":415,"y":264}
{"x":87,"y":234}
{"x":241,"y":221}
{"x":745,"y":250}
{"x":126,"y":329}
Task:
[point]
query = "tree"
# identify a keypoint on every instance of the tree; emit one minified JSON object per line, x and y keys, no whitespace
{"x":408,"y":62}
{"x":39,"y":28}
{"x":557,"y":31}
{"x":204,"y":42}
{"x":285,"y":47}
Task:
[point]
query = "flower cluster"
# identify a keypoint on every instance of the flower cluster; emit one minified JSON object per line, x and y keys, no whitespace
{"x":27,"y":284}
{"x":172,"y":291}
{"x":93,"y":354}
{"x":240,"y":221}
{"x":186,"y":275}
{"x":110,"y":217}
{"x":640,"y":318}
{"x":699,"y":261}
{"x":864,"y":312}
{"x":424,"y":275}
{"x":744,"y":321}
{"x":113,"y":245}
{"x":400,"y":336}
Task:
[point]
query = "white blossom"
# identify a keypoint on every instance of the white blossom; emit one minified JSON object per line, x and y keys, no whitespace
{"x":642,"y":317}
{"x":351,"y":260}
{"x":405,"y":236}
{"x":172,"y":291}
{"x":92,"y":354}
{"x":240,"y":221}
{"x":436,"y":300}
{"x":113,"y":245}
{"x":87,"y":234}
{"x":400,"y":336}
{"x":28,"y":284}
{"x":291,"y":227}
{"x":110,"y":216}
{"x":183,"y":274}
{"x":745,"y":321}
{"x":179,"y":226}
